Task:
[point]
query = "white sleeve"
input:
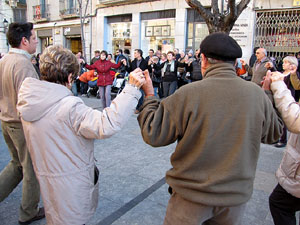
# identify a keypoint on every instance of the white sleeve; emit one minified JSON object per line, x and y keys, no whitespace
{"x":287,"y":106}
{"x":94,"y":124}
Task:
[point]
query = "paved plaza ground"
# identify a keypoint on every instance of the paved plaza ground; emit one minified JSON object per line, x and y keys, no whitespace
{"x":132,"y":186}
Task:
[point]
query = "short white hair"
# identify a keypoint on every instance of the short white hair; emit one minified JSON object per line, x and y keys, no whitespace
{"x":292,"y":60}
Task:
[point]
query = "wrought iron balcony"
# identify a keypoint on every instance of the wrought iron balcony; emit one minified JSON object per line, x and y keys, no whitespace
{"x":41,"y":13}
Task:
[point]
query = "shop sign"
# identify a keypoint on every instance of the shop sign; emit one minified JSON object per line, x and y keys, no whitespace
{"x":158,"y":31}
{"x":67,"y":30}
{"x":117,"y":33}
{"x":240,"y":32}
{"x":296,"y":3}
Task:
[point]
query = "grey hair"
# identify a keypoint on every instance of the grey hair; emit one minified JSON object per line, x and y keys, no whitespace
{"x":215,"y":61}
{"x":264,"y":51}
{"x":292,"y":60}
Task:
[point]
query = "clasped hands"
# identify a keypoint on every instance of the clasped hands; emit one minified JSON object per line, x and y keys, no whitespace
{"x":139,"y":78}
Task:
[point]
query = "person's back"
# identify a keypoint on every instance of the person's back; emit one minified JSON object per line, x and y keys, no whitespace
{"x":218,"y":124}
{"x":66,"y":128}
{"x":14,"y":68}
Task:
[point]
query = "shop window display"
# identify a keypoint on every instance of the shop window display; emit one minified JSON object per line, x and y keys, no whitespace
{"x":158,"y":35}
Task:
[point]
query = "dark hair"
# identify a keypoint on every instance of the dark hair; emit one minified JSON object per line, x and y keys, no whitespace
{"x":126,"y":51}
{"x":57,"y":63}
{"x":120,"y":51}
{"x":104,"y":52}
{"x":254,"y":50}
{"x":171,"y":52}
{"x":110,"y":55}
{"x":139,"y":51}
{"x":16,"y":31}
{"x":151,"y":50}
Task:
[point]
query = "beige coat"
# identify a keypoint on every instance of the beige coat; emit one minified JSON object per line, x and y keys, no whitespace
{"x":288,"y":173}
{"x":60,"y":131}
{"x":14,"y":68}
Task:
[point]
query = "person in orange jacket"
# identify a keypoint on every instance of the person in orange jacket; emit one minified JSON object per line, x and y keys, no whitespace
{"x":87,"y":79}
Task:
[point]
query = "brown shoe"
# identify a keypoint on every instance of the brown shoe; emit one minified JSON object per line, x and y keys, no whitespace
{"x":39,"y":215}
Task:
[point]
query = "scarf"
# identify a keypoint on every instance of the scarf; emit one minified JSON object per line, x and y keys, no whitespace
{"x":172,"y":68}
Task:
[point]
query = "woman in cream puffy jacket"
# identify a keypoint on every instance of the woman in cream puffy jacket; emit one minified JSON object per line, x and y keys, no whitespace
{"x":60,"y":131}
{"x":285,"y":199}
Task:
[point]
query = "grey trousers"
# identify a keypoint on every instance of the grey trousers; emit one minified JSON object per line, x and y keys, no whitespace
{"x":105,"y":95}
{"x":183,"y":212}
{"x":18,"y":169}
{"x":169,"y":88}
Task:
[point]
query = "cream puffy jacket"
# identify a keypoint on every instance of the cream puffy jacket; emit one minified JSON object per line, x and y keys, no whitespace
{"x":288,"y":173}
{"x":60,"y":131}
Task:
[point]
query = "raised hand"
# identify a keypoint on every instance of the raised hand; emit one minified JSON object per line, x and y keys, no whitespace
{"x":148,"y":87}
{"x":266,"y":83}
{"x":269,"y":65}
{"x":243,"y":62}
{"x":137,"y":78}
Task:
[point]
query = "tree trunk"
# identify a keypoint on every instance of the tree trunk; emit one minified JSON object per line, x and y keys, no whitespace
{"x":82,"y":21}
{"x":219,"y":21}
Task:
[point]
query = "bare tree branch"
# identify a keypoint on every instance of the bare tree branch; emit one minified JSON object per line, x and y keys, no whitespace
{"x":241,"y":6}
{"x":215,"y":7}
{"x":231,"y":17}
{"x":232,"y":9}
{"x":206,"y":14}
{"x":82,"y":20}
{"x":85,"y":10}
{"x":200,"y":9}
{"x":216,"y":21}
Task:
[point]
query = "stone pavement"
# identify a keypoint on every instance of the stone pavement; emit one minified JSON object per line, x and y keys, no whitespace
{"x":132,"y":186}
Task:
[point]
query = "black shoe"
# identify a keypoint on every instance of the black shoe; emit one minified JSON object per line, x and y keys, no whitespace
{"x":39,"y":215}
{"x":280,"y":145}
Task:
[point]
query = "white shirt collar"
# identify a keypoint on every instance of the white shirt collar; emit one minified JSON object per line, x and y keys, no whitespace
{"x":20,"y":51}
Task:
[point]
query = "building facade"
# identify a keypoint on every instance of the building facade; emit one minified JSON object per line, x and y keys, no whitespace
{"x":10,"y":11}
{"x":160,"y":25}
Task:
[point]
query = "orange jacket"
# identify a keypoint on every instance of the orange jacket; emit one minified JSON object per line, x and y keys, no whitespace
{"x":241,"y":71}
{"x":87,"y":76}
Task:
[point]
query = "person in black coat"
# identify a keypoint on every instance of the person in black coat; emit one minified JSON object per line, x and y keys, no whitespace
{"x":138,"y":62}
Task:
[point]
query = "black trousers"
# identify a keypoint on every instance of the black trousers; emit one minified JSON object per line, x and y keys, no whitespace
{"x":283,"y":206}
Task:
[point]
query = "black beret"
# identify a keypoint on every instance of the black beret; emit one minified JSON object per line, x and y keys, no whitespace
{"x":220,"y":46}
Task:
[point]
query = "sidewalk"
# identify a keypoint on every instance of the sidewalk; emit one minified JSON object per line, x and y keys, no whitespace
{"x":132,"y":186}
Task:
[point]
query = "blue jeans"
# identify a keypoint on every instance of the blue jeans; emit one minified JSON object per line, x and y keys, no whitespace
{"x":74,"y":89}
{"x":92,"y":83}
{"x":105,"y":95}
{"x":155,"y":91}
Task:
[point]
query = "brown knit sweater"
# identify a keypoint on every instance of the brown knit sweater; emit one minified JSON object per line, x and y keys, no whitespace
{"x":218,"y":124}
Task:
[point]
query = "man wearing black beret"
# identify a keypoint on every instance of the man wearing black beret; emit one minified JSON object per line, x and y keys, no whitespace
{"x":218,"y":124}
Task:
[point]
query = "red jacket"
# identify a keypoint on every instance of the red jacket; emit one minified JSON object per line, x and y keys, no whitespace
{"x":103,"y":67}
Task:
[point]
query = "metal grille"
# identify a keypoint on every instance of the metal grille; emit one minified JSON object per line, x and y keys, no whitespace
{"x":278,"y":31}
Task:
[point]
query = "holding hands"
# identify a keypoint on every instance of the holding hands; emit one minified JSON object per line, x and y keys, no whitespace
{"x":271,"y":77}
{"x":124,"y":62}
{"x":137,"y":78}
